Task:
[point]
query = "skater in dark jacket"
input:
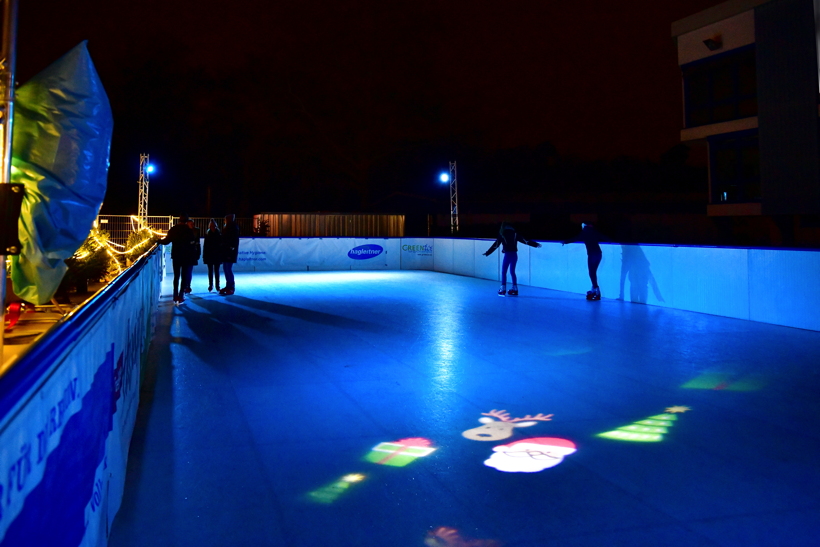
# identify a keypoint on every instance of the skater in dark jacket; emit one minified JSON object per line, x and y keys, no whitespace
{"x":196,"y":252}
{"x":182,"y":241}
{"x":591,"y":237}
{"x":508,"y":239}
{"x":230,"y":252}
{"x":212,"y":254}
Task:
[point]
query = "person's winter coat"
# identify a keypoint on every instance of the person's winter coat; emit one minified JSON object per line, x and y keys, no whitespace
{"x":230,"y":243}
{"x":508,"y":240}
{"x":212,"y":253}
{"x":183,"y":244}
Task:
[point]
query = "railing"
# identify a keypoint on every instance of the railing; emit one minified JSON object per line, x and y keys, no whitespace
{"x":68,"y":407}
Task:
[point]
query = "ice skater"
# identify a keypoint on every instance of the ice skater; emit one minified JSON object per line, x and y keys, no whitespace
{"x":183,"y":240}
{"x":591,"y":237}
{"x":229,"y":253}
{"x":196,"y":252}
{"x":211,"y":254}
{"x":508,"y":238}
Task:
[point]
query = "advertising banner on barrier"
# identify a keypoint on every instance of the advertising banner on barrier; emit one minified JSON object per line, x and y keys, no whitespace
{"x":417,"y":253}
{"x":63,"y":450}
{"x":315,"y":254}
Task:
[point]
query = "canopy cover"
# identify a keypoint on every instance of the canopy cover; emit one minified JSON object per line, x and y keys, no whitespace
{"x":61,"y":143}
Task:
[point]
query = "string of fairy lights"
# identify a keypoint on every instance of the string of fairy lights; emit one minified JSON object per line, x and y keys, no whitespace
{"x":113,"y":249}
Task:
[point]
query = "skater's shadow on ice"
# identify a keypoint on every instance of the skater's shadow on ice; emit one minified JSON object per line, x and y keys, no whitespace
{"x":635,"y":267}
{"x":311,"y":316}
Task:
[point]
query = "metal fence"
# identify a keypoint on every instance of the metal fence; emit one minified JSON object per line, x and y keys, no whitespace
{"x":119,"y":227}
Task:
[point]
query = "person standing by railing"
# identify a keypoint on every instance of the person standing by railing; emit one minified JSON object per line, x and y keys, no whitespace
{"x":183,"y":240}
{"x":591,"y":237}
{"x":211,"y":254}
{"x":230,"y":253}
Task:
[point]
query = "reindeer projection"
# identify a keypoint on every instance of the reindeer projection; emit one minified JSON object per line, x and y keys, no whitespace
{"x":494,"y":430}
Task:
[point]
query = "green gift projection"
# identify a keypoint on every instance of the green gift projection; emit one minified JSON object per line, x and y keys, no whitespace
{"x":401,"y":452}
{"x":649,"y":430}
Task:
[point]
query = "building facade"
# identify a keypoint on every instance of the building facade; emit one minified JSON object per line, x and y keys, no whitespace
{"x":750,"y":92}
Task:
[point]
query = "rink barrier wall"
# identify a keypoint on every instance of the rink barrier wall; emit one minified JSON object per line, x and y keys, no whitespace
{"x":775,"y":286}
{"x":67,"y":411}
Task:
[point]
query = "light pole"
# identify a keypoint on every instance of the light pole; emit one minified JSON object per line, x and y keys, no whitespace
{"x":145,"y":169}
{"x":452,"y":179}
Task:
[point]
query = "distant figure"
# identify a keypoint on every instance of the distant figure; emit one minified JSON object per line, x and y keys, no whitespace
{"x":591,"y":237}
{"x":212,"y":254}
{"x":230,"y":253}
{"x":508,"y":239}
{"x":196,"y":252}
{"x":182,"y":239}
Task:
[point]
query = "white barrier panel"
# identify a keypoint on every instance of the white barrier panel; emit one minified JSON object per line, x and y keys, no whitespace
{"x":464,"y":257}
{"x":768,"y":285}
{"x":416,"y":254}
{"x":443,"y":256}
{"x":783,"y":287}
{"x":64,"y":442}
{"x":486,"y":267}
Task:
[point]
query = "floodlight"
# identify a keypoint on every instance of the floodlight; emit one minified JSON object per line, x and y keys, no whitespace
{"x":444,"y":177}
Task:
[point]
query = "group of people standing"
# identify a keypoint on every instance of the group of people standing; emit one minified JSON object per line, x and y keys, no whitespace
{"x":221,"y":248}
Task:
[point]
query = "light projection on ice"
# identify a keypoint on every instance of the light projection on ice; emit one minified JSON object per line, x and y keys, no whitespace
{"x":530,"y":455}
{"x":649,"y":430}
{"x":725,"y":382}
{"x":502,"y":428}
{"x":401,"y":452}
{"x":444,"y":536}
{"x":331,"y":492}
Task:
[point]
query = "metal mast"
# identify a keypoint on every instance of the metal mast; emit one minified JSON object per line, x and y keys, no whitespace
{"x":453,"y":199}
{"x":142,"y":209}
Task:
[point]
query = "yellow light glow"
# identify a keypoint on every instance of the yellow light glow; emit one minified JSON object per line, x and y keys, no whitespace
{"x":353,"y":477}
{"x":677,"y":409}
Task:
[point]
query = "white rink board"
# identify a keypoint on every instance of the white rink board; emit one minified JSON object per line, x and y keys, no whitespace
{"x":767,"y":285}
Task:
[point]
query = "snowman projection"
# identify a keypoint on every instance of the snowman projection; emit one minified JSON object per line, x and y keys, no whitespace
{"x":495,"y":430}
{"x":530,"y":455}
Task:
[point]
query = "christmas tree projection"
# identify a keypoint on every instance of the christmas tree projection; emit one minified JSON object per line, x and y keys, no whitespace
{"x":401,"y":452}
{"x":649,"y":430}
{"x":331,"y":492}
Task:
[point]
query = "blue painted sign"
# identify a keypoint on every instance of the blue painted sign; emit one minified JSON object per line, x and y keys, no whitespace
{"x":363,"y":252}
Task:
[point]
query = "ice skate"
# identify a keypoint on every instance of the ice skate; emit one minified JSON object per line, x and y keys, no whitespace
{"x":513,"y":291}
{"x":596,"y":294}
{"x":210,"y":288}
{"x":591,"y":293}
{"x":502,"y":291}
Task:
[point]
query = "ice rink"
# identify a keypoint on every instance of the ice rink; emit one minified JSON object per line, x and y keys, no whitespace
{"x":328,"y":409}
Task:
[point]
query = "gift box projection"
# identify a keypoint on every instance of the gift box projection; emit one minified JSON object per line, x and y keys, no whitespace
{"x":400,"y":453}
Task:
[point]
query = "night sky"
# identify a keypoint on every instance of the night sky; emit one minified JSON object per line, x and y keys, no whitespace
{"x":281,"y":106}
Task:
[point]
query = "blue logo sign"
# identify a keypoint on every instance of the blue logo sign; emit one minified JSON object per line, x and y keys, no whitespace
{"x":363,"y":252}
